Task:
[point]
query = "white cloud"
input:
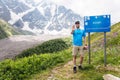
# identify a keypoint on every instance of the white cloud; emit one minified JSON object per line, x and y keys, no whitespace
{"x":93,"y":7}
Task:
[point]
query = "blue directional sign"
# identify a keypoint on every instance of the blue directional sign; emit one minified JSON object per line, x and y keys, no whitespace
{"x":97,"y":23}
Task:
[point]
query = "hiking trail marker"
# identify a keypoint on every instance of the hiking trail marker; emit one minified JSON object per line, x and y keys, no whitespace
{"x":100,"y":23}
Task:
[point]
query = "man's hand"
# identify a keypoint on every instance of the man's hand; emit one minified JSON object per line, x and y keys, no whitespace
{"x":85,"y":47}
{"x":73,"y":28}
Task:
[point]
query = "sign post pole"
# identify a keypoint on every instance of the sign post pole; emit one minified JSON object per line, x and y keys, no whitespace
{"x":89,"y":52}
{"x":105,"y":55}
{"x":100,"y":23}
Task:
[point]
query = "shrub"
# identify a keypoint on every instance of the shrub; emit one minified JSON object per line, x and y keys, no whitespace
{"x":23,"y":68}
{"x":46,"y":47}
{"x":114,"y":41}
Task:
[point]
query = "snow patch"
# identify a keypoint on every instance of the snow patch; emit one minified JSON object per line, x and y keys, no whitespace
{"x":14,"y":18}
{"x":0,"y":6}
{"x":60,"y":15}
{"x":24,"y":2}
{"x":26,"y":26}
{"x":35,"y":30}
{"x":53,"y":9}
{"x":26,"y":12}
{"x":1,"y":12}
{"x":37,"y":1}
{"x":41,"y":10}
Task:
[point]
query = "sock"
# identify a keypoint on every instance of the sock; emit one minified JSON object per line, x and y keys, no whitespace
{"x":74,"y":65}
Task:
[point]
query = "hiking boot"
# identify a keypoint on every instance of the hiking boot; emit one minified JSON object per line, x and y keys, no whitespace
{"x":74,"y":69}
{"x":80,"y":67}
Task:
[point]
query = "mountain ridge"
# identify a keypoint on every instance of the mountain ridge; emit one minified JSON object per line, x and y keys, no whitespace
{"x":7,"y":30}
{"x":38,"y":17}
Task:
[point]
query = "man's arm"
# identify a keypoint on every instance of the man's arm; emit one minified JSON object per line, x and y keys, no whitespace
{"x":84,"y":39}
{"x":85,"y":47}
{"x":73,"y":28}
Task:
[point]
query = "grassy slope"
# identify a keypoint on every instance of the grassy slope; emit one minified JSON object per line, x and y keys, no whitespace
{"x":96,"y":70}
{"x":6,"y":30}
{"x":22,"y":68}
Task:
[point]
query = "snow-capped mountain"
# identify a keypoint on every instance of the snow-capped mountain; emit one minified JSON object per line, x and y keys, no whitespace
{"x":38,"y":17}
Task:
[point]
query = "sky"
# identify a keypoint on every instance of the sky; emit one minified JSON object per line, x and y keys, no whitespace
{"x":92,"y":7}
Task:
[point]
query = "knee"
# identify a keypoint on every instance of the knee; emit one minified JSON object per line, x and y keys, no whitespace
{"x":74,"y":57}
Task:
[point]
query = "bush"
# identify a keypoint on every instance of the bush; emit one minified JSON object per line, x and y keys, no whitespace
{"x":114,"y":41}
{"x":23,"y":68}
{"x":46,"y":47}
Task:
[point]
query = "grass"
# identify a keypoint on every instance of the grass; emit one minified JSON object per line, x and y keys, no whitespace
{"x":26,"y":66}
{"x":23,"y":68}
{"x":50,"y":46}
{"x":6,"y":30}
{"x":96,"y":69}
{"x":58,"y":66}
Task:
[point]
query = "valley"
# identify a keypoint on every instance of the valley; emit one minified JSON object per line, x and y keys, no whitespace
{"x":14,"y":45}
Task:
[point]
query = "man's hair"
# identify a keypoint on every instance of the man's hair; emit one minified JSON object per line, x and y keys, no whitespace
{"x":77,"y":22}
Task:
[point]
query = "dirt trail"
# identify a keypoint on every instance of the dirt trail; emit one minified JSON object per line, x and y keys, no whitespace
{"x":60,"y":72}
{"x":12,"y":46}
{"x":65,"y":72}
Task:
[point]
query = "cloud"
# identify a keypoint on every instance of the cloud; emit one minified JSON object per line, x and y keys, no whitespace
{"x":93,"y":7}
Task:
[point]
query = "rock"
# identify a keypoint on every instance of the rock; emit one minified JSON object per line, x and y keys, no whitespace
{"x":110,"y":77}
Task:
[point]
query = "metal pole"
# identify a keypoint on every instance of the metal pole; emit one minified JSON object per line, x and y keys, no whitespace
{"x":105,"y":55}
{"x":89,"y":52}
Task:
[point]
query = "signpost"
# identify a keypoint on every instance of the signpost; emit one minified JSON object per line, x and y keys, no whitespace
{"x":97,"y":24}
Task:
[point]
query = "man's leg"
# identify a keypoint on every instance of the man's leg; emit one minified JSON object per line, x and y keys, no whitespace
{"x":74,"y":58}
{"x":74,"y":62}
{"x":81,"y":58}
{"x":81,"y":61}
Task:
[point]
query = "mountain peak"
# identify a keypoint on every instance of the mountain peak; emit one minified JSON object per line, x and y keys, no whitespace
{"x":38,"y":17}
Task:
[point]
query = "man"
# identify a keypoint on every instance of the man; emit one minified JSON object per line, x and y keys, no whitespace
{"x":78,"y":35}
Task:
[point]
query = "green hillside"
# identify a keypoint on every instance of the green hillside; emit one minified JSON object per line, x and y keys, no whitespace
{"x":58,"y":65}
{"x":97,"y":38}
{"x":96,"y":69}
{"x":7,"y":30}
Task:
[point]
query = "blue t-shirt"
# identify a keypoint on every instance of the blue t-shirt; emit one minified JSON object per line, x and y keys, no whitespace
{"x":77,"y":37}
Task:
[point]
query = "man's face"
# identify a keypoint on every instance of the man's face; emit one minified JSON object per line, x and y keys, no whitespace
{"x":77,"y":25}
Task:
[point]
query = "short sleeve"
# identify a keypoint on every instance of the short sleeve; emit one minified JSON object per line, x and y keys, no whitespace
{"x":84,"y":33}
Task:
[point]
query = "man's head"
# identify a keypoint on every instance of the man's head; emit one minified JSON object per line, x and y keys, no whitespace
{"x":77,"y":23}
